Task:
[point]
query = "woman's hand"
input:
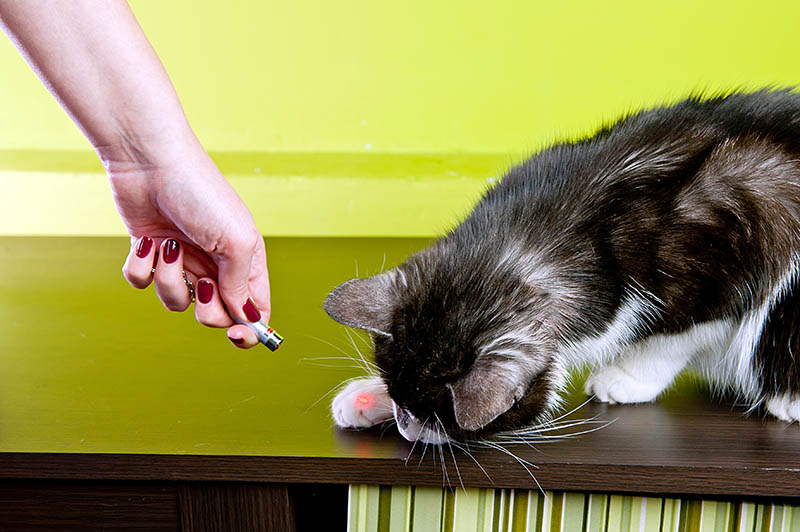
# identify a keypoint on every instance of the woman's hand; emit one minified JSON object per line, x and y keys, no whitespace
{"x":185,"y":217}
{"x":182,"y":214}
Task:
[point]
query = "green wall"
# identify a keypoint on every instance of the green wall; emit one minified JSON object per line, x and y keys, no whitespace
{"x":427,"y":76}
{"x":426,"y":509}
{"x":436,"y":78}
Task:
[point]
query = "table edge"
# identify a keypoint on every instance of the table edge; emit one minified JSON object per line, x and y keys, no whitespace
{"x":733,"y":481}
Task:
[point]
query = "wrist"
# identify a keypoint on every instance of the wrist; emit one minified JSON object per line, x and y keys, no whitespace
{"x":130,"y":151}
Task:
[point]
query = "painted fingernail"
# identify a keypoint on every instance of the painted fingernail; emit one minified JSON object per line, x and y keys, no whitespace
{"x":205,"y":291}
{"x":144,"y":246}
{"x":237,"y":341}
{"x":171,"y":251}
{"x":250,"y":311}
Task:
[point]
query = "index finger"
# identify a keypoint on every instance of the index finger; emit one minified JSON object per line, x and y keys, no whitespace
{"x":258,"y":284}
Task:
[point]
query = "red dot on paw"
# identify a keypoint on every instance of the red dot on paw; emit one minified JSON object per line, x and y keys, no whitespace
{"x":365,"y":400}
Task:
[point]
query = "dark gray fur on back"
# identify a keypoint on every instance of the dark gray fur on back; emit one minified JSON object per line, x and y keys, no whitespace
{"x":692,"y":208}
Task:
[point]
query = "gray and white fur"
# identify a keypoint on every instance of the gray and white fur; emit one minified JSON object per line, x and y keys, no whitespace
{"x":668,"y":240}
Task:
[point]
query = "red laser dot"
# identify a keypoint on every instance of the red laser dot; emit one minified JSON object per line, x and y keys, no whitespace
{"x":365,"y":400}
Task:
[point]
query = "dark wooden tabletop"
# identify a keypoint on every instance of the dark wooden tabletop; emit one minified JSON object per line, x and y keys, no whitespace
{"x":99,"y":382}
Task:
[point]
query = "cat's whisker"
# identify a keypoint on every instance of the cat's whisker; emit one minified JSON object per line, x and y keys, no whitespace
{"x":452,"y":453}
{"x":565,"y":421}
{"x":335,"y":366}
{"x":326,"y":342}
{"x":312,"y":359}
{"x":330,"y":344}
{"x":389,"y":423}
{"x":421,"y":458}
{"x":353,"y":343}
{"x":550,"y":432}
{"x":495,"y":445}
{"x":338,"y":366}
{"x":443,"y":463}
{"x":365,"y":367}
{"x":466,"y":451}
{"x":522,"y":441}
{"x":366,"y":341}
{"x":522,"y":462}
{"x":383,"y":264}
{"x":416,"y":439}
{"x":369,"y":364}
{"x":535,"y":431}
{"x":565,"y":414}
{"x":542,"y":433}
{"x":326,"y":394}
{"x":553,"y":437}
{"x":441,"y":455}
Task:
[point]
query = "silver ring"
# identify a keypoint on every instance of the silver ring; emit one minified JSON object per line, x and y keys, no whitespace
{"x":189,"y":284}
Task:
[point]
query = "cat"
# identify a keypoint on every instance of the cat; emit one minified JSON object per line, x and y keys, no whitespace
{"x":667,"y":240}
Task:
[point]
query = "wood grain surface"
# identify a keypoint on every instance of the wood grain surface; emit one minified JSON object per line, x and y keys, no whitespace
{"x":221,"y":507}
{"x":88,"y":506}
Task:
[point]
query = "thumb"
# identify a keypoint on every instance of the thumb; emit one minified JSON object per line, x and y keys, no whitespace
{"x":234,"y":264}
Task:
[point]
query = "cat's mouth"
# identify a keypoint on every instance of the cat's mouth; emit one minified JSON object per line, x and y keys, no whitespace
{"x":415,"y":430}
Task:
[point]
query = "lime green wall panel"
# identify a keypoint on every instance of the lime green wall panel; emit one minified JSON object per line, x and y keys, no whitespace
{"x":427,"y":515}
{"x":763,"y":521}
{"x":536,"y":512}
{"x":401,"y":508}
{"x":519,"y":513}
{"x":345,"y":83}
{"x":363,"y":510}
{"x":670,"y":515}
{"x":746,"y":517}
{"x":596,"y":512}
{"x":506,"y":510}
{"x":473,"y":510}
{"x":422,"y":76}
{"x":573,"y":516}
{"x":289,"y":194}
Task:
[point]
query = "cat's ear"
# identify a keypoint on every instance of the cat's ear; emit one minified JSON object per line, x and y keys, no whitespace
{"x":364,"y":303}
{"x":488,"y":390}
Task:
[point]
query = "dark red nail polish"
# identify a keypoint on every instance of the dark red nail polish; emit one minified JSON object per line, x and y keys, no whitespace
{"x":144,"y":246}
{"x":171,"y":251}
{"x":205,"y":291}
{"x":237,"y":341}
{"x":250,"y":311}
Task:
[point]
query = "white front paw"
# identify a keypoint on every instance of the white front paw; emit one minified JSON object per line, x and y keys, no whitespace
{"x":362,"y":403}
{"x":785,"y":407}
{"x":611,"y":384}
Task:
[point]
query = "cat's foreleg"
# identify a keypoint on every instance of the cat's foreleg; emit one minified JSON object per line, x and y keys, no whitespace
{"x":362,"y":403}
{"x":638,"y":375}
{"x":644,"y":370}
{"x":785,"y":407}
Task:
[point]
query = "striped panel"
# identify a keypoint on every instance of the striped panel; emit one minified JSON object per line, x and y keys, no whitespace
{"x":425,"y":509}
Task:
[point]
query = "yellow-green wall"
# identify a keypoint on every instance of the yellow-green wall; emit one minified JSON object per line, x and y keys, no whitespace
{"x":427,"y":75}
{"x":431,"y":77}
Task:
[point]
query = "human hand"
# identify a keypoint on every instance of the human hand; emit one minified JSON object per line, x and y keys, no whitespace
{"x":185,"y":216}
{"x":182,"y":214}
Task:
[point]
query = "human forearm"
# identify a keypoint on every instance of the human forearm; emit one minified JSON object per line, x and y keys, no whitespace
{"x":97,"y":62}
{"x":93,"y":56}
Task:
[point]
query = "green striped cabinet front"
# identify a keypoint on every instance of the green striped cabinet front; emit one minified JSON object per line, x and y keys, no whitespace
{"x":424,"y":509}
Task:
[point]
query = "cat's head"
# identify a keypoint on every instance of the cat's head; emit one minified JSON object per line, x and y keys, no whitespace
{"x":466,"y":350}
